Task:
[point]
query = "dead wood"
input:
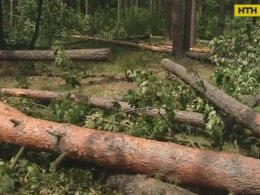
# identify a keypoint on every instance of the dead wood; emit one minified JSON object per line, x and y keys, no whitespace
{"x":167,"y":161}
{"x":48,"y":55}
{"x":191,"y":118}
{"x":243,"y":114}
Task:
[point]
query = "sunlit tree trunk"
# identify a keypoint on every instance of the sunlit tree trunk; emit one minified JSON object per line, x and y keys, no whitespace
{"x":168,"y":19}
{"x":2,"y":40}
{"x":11,"y":13}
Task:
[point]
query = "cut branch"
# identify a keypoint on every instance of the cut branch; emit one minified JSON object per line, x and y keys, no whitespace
{"x":240,"y":112}
{"x":48,"y":55}
{"x":168,"y":161}
{"x":191,"y":118}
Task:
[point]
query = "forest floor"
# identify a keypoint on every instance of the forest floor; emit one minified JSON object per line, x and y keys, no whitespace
{"x":101,"y":78}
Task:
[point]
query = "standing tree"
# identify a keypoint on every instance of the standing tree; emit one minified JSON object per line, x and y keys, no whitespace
{"x":168,"y":19}
{"x":2,"y":40}
{"x":37,"y":24}
{"x":177,"y":26}
{"x":193,"y":24}
{"x":181,"y":25}
{"x":221,"y":18}
{"x":187,"y":25}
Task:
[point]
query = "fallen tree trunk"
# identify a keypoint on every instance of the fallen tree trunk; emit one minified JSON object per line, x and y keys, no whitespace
{"x":138,"y":38}
{"x":168,"y":161}
{"x":48,"y":55}
{"x":240,"y":112}
{"x":198,"y":56}
{"x":195,"y":53}
{"x":191,"y":118}
{"x":141,"y":184}
{"x":125,"y":43}
{"x":192,"y":49}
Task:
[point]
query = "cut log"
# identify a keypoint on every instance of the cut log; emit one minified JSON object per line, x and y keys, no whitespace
{"x":141,"y":184}
{"x":191,"y":118}
{"x":240,"y":112}
{"x":204,"y":57}
{"x":48,"y":55}
{"x":167,"y":161}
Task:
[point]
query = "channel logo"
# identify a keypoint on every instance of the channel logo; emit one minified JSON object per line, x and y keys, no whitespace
{"x":247,"y":10}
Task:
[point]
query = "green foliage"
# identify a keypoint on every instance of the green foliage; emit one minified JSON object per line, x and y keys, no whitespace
{"x":55,"y":23}
{"x":155,"y":93}
{"x":142,"y":21}
{"x":30,"y":178}
{"x":104,"y":23}
{"x":238,"y":56}
{"x":67,"y":110}
{"x":64,"y":66}
{"x":207,"y":19}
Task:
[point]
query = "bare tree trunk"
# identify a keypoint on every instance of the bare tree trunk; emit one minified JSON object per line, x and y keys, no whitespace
{"x":2,"y":39}
{"x":187,"y":25}
{"x":168,"y":19}
{"x":37,"y":24}
{"x":177,"y":26}
{"x":193,"y":24}
{"x":221,"y":17}
{"x":11,"y":13}
{"x":240,"y":112}
{"x":168,"y":161}
{"x":118,"y":12}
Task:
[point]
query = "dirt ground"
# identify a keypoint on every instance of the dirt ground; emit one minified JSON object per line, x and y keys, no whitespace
{"x":102,"y":78}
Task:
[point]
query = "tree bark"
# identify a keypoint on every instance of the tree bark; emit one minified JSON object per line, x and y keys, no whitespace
{"x":240,"y":112}
{"x":141,"y":184}
{"x":167,"y":161}
{"x":193,"y":24}
{"x":48,"y":55}
{"x":200,"y":56}
{"x":177,"y":26}
{"x":187,"y":25}
{"x":191,"y":118}
{"x":2,"y":39}
{"x":221,"y":17}
{"x":37,"y":24}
